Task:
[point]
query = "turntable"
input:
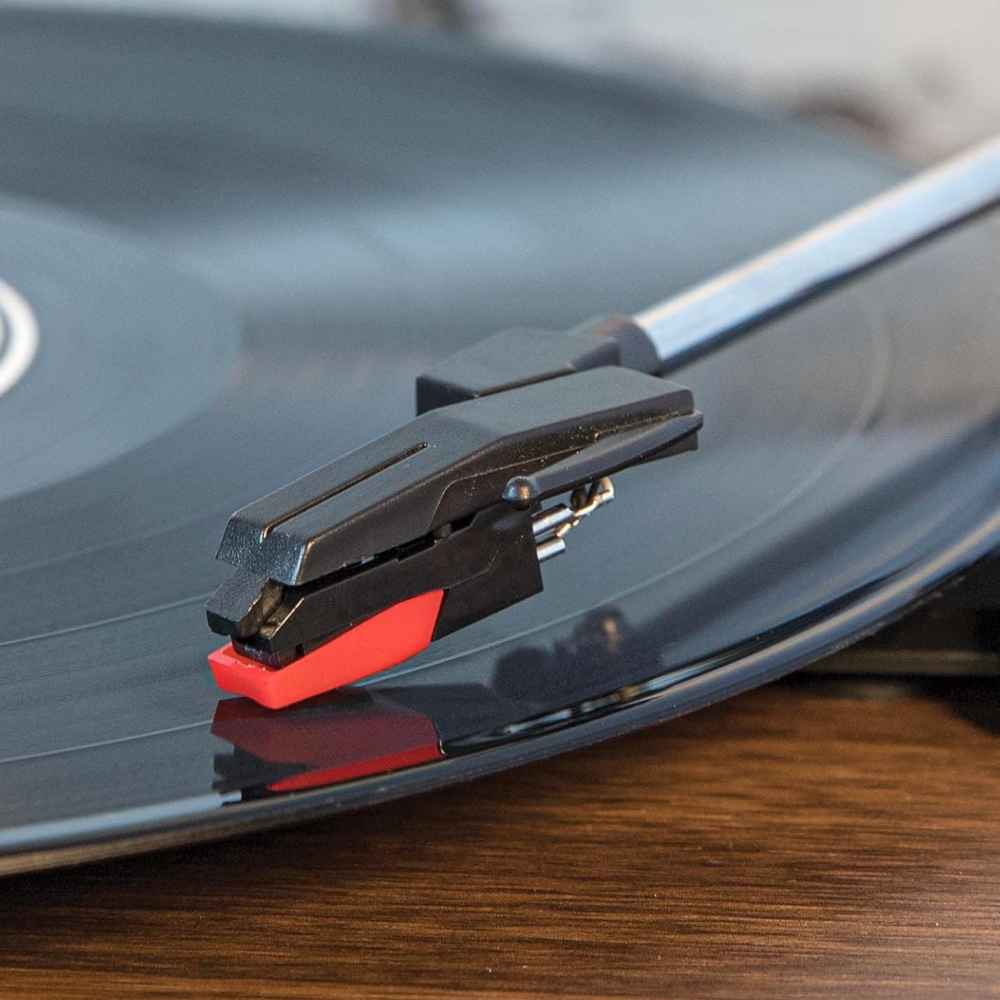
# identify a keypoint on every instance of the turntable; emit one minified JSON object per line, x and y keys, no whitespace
{"x":227,"y":253}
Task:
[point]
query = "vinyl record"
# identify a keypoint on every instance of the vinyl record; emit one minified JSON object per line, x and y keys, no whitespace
{"x":225,"y":254}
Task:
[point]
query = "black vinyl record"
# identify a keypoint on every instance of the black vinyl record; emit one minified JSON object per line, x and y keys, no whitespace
{"x":226,"y":252}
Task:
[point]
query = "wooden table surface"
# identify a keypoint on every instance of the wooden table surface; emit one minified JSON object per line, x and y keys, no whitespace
{"x":809,"y":839}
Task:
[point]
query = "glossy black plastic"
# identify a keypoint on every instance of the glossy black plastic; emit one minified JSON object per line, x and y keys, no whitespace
{"x":423,"y":509}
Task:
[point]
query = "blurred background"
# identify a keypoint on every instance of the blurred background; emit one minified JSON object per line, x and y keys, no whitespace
{"x":918,"y":77}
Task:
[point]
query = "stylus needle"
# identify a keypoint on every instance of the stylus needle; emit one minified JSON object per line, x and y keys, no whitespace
{"x":361,"y":564}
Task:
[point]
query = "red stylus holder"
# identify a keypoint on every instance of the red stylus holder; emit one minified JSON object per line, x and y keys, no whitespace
{"x":376,"y":644}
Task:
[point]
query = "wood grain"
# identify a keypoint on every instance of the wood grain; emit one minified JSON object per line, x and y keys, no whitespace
{"x":798,"y":841}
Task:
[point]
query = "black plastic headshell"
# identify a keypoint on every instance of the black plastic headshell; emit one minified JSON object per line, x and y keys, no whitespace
{"x":451,"y":501}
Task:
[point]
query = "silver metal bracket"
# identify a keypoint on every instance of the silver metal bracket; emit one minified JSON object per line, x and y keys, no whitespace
{"x":551,"y":526}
